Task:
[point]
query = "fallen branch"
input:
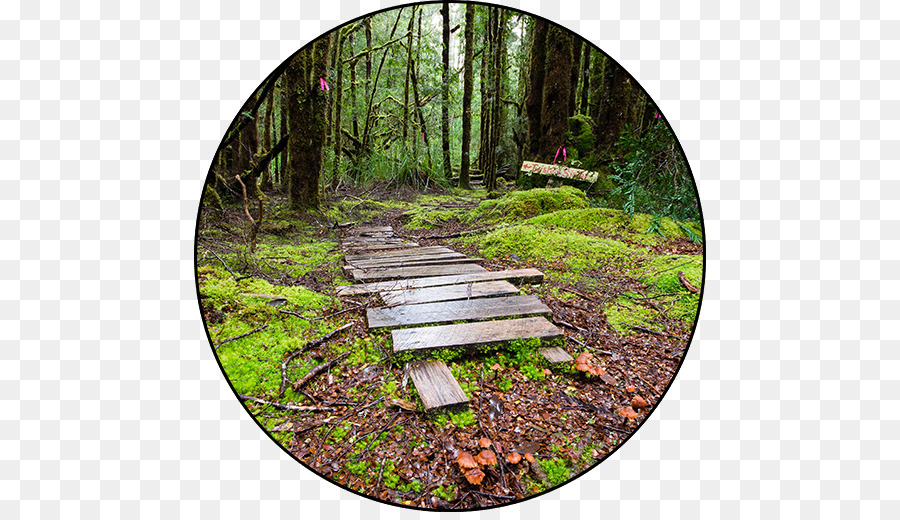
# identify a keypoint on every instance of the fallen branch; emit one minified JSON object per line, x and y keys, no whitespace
{"x":316,"y":370}
{"x":241,"y":336}
{"x":568,"y":325}
{"x":314,"y":343}
{"x":654,"y":332}
{"x":286,"y":406}
{"x":586,"y":297}
{"x":236,"y":277}
{"x":687,"y":285}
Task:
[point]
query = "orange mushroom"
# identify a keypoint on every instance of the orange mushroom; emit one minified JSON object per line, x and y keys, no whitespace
{"x":466,"y":461}
{"x":474,"y":476}
{"x":529,"y":457}
{"x":513,"y":457}
{"x":484,"y":442}
{"x":639,"y":402}
{"x":486,"y":458}
{"x":628,"y":412}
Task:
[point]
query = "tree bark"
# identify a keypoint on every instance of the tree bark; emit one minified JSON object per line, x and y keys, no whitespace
{"x":265,"y":182}
{"x":490,"y":174}
{"x":585,"y":79}
{"x":445,"y":91}
{"x":467,"y":97}
{"x":534,"y":100}
{"x":573,"y":85}
{"x":409,"y":66}
{"x":338,"y":89}
{"x":557,"y":87}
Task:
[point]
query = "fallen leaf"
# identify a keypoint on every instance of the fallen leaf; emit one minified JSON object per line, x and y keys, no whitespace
{"x":629,"y":388}
{"x":403,"y":403}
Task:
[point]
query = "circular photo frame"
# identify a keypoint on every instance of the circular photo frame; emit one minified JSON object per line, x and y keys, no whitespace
{"x":450,"y":256}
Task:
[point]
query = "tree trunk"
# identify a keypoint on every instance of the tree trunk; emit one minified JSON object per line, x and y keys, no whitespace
{"x":265,"y":182}
{"x":573,"y":85}
{"x":409,"y":66}
{"x":596,"y":98}
{"x":557,"y":87}
{"x":467,"y":98}
{"x":618,"y":108}
{"x":445,"y":90}
{"x":283,"y":102}
{"x":485,"y":110}
{"x":534,"y":100}
{"x":490,"y":174}
{"x":585,"y":78}
{"x":338,"y":89}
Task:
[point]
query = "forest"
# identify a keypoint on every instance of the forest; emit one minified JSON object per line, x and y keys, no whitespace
{"x":396,"y":166}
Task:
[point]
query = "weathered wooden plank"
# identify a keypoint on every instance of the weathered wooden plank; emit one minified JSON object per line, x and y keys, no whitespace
{"x":436,"y":385}
{"x":415,"y":263}
{"x":414,"y":251}
{"x":449,"y":292}
{"x":457,"y":310}
{"x":393,"y":273}
{"x":556,"y":355}
{"x":372,"y":240}
{"x":371,"y":229}
{"x":378,"y":247}
{"x":403,"y":260}
{"x":512,"y":275}
{"x":471,"y":335}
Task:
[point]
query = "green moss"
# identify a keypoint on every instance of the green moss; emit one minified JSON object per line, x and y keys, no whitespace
{"x":623,"y":313}
{"x":582,"y":138}
{"x":505,"y":384}
{"x":460,"y":419}
{"x":413,"y":486}
{"x":612,"y":222}
{"x":568,"y":249}
{"x":358,"y":468}
{"x":445,"y":493}
{"x":518,"y":205}
{"x":556,"y":470}
{"x":661,"y":273}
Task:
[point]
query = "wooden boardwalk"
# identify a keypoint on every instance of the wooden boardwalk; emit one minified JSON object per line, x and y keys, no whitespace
{"x":436,"y":298}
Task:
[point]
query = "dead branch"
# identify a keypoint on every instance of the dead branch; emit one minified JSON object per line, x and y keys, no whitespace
{"x":256,"y":223}
{"x":288,"y":407}
{"x":241,"y":336}
{"x":654,"y":332}
{"x":236,"y":277}
{"x":687,"y":285}
{"x":318,"y":370}
{"x":314,"y":343}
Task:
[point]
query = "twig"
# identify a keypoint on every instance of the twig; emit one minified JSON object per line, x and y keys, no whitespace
{"x":568,"y":325}
{"x":655,"y":332}
{"x":240,"y":336}
{"x":687,"y":285}
{"x":286,"y":406}
{"x":236,"y":277}
{"x":586,"y":297}
{"x":256,"y":223}
{"x":316,"y":370}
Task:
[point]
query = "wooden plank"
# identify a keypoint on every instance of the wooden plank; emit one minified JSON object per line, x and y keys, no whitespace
{"x":378,"y":247}
{"x":401,"y":260}
{"x":458,"y":310}
{"x":436,"y":385}
{"x":415,"y":262}
{"x":556,"y":355}
{"x":512,"y":275}
{"x":449,"y":292}
{"x":371,"y":229}
{"x":393,"y":273}
{"x":415,"y":251}
{"x":471,"y":335}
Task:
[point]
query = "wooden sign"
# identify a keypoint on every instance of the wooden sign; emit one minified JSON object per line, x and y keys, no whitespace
{"x":555,"y":170}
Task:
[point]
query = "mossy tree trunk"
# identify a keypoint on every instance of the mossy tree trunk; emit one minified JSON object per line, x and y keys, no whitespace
{"x":573,"y":85}
{"x":497,"y":69}
{"x":585,"y":79}
{"x":534,"y":100}
{"x":557,"y":88}
{"x":265,"y":182}
{"x":467,"y":97}
{"x":620,"y":107}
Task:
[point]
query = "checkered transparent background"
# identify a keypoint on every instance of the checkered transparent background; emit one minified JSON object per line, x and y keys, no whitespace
{"x":788,"y":404}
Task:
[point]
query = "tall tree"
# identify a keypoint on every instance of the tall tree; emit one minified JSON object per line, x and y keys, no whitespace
{"x":338,"y":114}
{"x":598,"y":68}
{"x":557,"y":87}
{"x":445,"y":90}
{"x":573,"y":85}
{"x":409,"y":71}
{"x":307,"y":113}
{"x":265,"y":182}
{"x":498,"y":50}
{"x":585,"y":79}
{"x":535,"y":99}
{"x":468,"y":35}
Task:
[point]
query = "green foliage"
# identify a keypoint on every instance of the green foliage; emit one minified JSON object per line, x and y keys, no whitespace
{"x":517,"y":205}
{"x":505,"y":384}
{"x":358,"y":468}
{"x":460,"y":419}
{"x":653,"y":176}
{"x":638,"y":227}
{"x":413,"y":486}
{"x":581,"y":136}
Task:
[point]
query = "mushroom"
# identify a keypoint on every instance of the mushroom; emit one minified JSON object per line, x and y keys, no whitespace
{"x":486,"y":458}
{"x":547,"y":372}
{"x":474,"y":476}
{"x":466,"y":461}
{"x":628,"y":412}
{"x":529,"y":457}
{"x":484,"y":442}
{"x":513,"y":457}
{"x":496,"y":366}
{"x":582,"y":367}
{"x":638,"y":402}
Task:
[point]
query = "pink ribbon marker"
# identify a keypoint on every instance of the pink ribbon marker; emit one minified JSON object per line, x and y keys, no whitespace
{"x":560,"y":149}
{"x":656,"y":116}
{"x":323,"y":85}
